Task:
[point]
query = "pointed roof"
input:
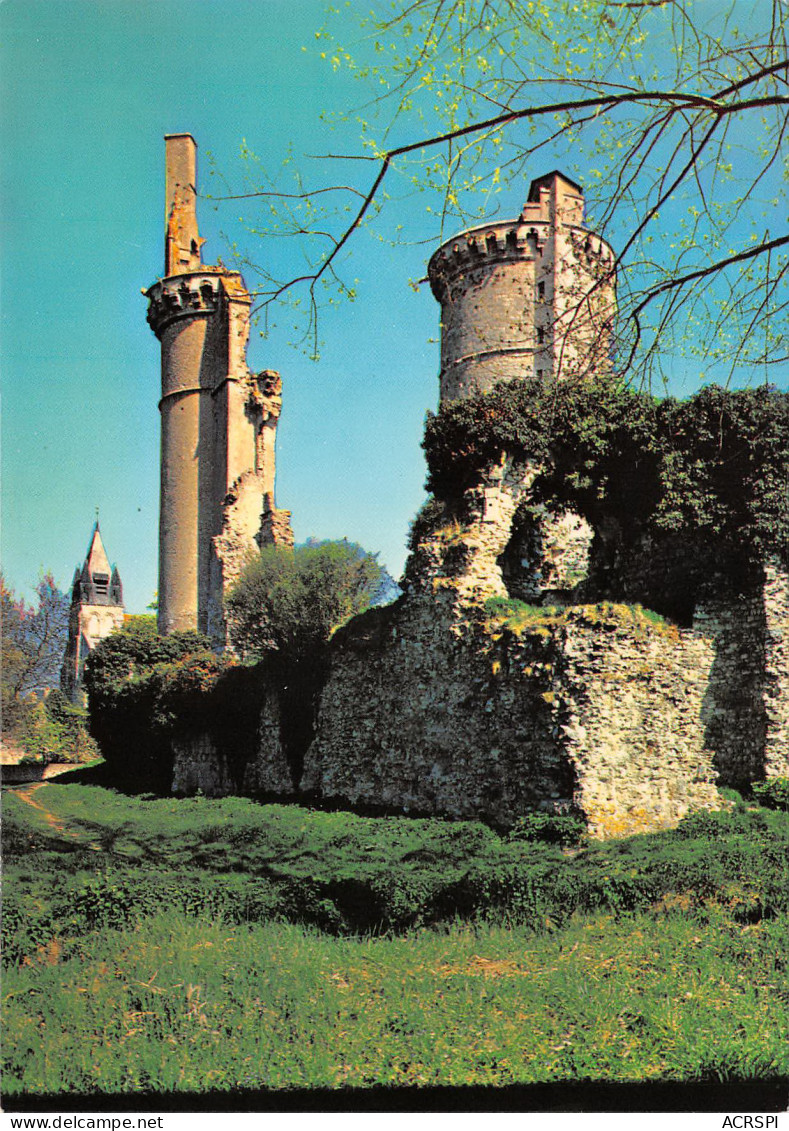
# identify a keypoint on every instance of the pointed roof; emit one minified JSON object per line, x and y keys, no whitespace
{"x":96,"y":560}
{"x":95,"y":581}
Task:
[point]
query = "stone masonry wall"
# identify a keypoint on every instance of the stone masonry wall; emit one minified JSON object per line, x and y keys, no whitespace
{"x":198,"y":766}
{"x":437,"y":705}
{"x":732,"y":711}
{"x":414,"y":718}
{"x":444,"y":704}
{"x":209,"y":762}
{"x":596,"y":710}
{"x":746,"y":708}
{"x":776,"y":669}
{"x":633,"y":692}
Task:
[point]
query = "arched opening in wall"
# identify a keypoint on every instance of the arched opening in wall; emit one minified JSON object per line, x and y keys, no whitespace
{"x":520,"y":561}
{"x":673,"y":573}
{"x":547,"y":555}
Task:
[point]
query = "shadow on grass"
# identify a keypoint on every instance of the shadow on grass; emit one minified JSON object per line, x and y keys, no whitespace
{"x":766,"y":1095}
{"x":98,"y":773}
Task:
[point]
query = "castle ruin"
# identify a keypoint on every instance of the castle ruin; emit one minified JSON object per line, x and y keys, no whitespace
{"x":530,"y":295}
{"x":219,"y":420}
{"x":436,"y":704}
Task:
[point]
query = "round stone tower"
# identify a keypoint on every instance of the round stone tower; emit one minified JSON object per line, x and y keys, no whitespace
{"x":218,"y":420}
{"x":530,"y":296}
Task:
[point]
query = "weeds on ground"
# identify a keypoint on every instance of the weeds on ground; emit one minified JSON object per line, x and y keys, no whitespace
{"x":171,"y":945}
{"x":176,"y":1004}
{"x":122,"y":857}
{"x":774,"y":793}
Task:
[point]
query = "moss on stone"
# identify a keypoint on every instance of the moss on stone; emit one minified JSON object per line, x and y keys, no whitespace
{"x":538,"y":620}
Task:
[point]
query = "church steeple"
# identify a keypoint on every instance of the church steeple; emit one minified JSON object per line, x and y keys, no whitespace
{"x":96,"y":610}
{"x":97,"y":582}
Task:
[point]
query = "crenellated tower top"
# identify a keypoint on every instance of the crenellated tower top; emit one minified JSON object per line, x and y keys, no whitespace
{"x":530,"y":296}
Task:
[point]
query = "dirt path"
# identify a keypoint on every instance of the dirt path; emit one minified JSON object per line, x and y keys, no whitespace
{"x":27,"y":794}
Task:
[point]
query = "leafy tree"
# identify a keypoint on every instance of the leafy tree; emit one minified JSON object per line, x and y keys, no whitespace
{"x":672,"y":115}
{"x":127,"y":678}
{"x":33,"y":644}
{"x":289,"y":602}
{"x":127,"y":655}
{"x":55,"y":730}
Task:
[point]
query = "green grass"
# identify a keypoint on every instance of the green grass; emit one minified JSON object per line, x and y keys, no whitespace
{"x":176,"y":1005}
{"x":113,"y":857}
{"x":187,"y":945}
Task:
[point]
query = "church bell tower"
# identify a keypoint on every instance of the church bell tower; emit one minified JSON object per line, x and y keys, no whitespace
{"x":96,"y":610}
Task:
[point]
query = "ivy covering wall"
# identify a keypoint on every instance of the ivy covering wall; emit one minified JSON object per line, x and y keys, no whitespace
{"x":139,"y":684}
{"x":714,"y":465}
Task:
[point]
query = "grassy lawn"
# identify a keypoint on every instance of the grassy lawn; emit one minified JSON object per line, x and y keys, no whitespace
{"x":162,"y":945}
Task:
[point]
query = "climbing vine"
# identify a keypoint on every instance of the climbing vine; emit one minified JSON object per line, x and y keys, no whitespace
{"x":715,"y":464}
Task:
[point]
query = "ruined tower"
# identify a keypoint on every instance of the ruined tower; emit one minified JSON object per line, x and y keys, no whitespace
{"x":529,"y":297}
{"x":96,"y":609}
{"x":218,"y":420}
{"x":523,"y":297}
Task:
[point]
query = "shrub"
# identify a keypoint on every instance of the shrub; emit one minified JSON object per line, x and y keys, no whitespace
{"x":135,"y":680}
{"x":290,"y":602}
{"x":101,"y":901}
{"x":774,"y":793}
{"x":431,"y":515}
{"x":552,"y":828}
{"x":53,"y":730}
{"x":75,"y":743}
{"x":131,"y":653}
{"x":283,"y":612}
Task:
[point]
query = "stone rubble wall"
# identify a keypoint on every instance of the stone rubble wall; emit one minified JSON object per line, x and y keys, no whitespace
{"x":746,"y":708}
{"x":441,"y":705}
{"x":425,"y":715}
{"x":467,"y":553}
{"x":267,"y":772}
{"x":547,"y":556}
{"x":203,"y":762}
{"x":412,"y":718}
{"x":481,"y":554}
{"x":633,"y":694}
{"x":776,"y":669}
{"x":733,"y":711}
{"x":199,"y":767}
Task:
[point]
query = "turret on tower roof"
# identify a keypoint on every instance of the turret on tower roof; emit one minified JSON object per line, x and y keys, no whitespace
{"x":548,"y":179}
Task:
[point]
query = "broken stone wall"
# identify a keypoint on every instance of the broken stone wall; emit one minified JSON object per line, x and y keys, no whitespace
{"x":215,"y":763}
{"x":776,"y":668}
{"x":448,"y":704}
{"x":597,"y":710}
{"x":633,"y":693}
{"x":746,"y":708}
{"x":742,"y":608}
{"x":247,"y":411}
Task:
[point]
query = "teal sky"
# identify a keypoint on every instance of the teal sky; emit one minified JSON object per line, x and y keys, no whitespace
{"x":89,"y":88}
